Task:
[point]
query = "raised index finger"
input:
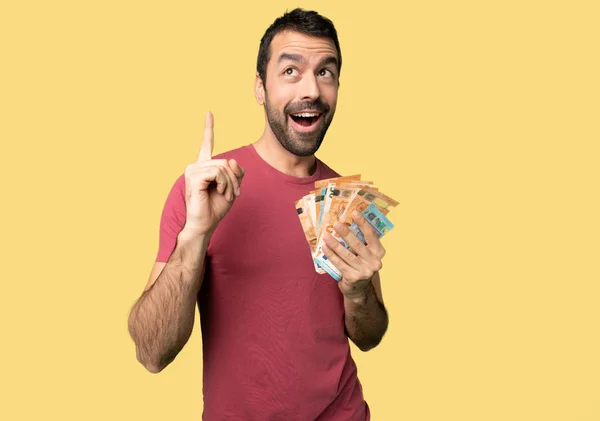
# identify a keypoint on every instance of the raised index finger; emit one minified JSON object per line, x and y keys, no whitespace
{"x":206,"y":149}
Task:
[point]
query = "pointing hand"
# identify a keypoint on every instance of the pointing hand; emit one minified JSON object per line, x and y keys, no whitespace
{"x":211,"y":185}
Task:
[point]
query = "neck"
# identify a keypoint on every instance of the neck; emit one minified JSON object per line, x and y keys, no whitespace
{"x":269,"y":149}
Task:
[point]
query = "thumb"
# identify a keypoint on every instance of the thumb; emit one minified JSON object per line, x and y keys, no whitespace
{"x":237,"y":169}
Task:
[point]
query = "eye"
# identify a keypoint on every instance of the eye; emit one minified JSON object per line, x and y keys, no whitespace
{"x":326,"y":72}
{"x":290,"y":71}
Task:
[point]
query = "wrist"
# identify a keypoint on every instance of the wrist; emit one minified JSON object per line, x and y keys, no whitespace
{"x":359,"y":295}
{"x":357,"y":300}
{"x":190,"y":236}
{"x":189,"y":258}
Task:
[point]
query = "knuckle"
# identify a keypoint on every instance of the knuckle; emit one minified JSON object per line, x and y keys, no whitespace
{"x":189,"y":169}
{"x":230,"y":174}
{"x":382,"y":253}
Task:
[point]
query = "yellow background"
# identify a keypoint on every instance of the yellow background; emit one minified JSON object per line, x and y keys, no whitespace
{"x":481,"y":118}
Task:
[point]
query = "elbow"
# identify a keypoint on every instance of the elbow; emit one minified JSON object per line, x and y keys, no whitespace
{"x":151,"y":360}
{"x":154,"y":368}
{"x":152,"y":364}
{"x":367,"y":346}
{"x":370,"y":343}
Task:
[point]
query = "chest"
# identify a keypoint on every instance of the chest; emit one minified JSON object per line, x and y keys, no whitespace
{"x":260,"y":269}
{"x":262,"y":235}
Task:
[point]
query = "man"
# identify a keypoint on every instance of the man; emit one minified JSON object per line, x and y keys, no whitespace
{"x":275,"y":333}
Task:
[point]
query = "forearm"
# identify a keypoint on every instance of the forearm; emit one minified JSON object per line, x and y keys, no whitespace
{"x":366,"y":319}
{"x":162,"y":320}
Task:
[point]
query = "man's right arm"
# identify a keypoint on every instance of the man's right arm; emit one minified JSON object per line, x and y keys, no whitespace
{"x":162,"y":319}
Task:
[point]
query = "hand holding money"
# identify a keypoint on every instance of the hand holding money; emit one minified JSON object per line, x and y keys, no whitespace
{"x":343,"y":220}
{"x":211,"y":186}
{"x":358,"y":266}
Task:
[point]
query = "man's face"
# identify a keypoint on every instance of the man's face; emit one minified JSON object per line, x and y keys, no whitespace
{"x":301,"y":90}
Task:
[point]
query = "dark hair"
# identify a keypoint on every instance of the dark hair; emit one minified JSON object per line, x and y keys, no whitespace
{"x":299,"y":20}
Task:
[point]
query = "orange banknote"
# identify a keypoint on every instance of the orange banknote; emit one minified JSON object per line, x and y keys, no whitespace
{"x":335,"y":199}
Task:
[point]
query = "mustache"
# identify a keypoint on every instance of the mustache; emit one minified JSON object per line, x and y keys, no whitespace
{"x":318,"y":106}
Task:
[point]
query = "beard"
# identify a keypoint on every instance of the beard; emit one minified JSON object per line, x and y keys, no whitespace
{"x":299,"y":143}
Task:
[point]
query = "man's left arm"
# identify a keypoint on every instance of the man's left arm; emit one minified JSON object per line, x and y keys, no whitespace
{"x":366,"y":317}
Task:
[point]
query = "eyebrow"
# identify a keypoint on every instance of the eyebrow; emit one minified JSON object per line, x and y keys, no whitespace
{"x":328,"y":60}
{"x":290,"y":57}
{"x":300,"y":59}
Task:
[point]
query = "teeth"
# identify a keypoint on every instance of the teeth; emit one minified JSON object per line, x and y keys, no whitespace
{"x":306,"y":115}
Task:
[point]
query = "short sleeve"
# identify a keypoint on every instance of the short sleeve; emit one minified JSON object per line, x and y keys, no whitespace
{"x":172,"y":220}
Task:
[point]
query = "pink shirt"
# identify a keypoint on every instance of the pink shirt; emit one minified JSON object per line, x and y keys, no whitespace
{"x":274,"y":345}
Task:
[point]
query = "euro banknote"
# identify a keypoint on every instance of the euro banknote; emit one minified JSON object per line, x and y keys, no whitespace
{"x":334,"y":200}
{"x":381,"y":225}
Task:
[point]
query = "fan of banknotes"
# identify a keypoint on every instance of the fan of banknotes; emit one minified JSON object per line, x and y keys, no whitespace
{"x":334,"y":200}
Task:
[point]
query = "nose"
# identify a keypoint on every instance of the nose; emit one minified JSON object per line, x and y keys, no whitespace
{"x":309,"y":88}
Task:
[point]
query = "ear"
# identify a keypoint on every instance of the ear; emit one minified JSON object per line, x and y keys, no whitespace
{"x":259,"y":90}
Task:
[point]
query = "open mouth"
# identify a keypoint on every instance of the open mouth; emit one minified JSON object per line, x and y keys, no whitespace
{"x":306,"y":121}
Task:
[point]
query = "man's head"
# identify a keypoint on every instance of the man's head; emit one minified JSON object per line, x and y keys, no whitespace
{"x":298,"y":67}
